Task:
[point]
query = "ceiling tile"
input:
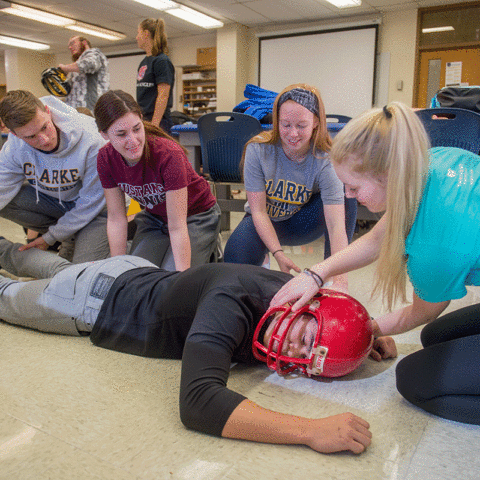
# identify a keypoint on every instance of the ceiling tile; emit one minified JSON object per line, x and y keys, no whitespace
{"x":125,"y":15}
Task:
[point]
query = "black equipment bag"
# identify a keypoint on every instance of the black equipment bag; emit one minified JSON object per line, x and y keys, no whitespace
{"x":458,"y":97}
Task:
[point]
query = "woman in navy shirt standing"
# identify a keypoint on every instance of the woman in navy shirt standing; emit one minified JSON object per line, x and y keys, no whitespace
{"x":156,"y":74}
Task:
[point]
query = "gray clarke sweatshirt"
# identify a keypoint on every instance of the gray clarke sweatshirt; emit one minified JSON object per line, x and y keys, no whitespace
{"x":69,"y":174}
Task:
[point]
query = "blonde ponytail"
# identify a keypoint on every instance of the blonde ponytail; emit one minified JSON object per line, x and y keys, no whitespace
{"x":391,"y":141}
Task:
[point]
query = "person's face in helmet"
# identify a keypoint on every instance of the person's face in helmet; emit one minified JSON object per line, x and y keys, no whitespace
{"x":40,"y":132}
{"x":300,"y":336}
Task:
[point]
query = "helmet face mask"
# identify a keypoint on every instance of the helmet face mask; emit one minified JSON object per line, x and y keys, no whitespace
{"x":55,"y":82}
{"x":272,"y":354}
{"x":342,"y":341}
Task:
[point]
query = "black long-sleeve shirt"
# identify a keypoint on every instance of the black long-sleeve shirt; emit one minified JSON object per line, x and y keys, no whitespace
{"x":205,"y":315}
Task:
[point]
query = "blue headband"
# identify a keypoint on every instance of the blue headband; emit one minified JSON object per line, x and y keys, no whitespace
{"x":303,"y":97}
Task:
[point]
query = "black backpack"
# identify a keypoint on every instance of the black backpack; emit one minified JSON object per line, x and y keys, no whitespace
{"x":179,"y":118}
{"x":458,"y":97}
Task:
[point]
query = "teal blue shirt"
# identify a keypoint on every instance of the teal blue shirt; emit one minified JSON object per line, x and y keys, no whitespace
{"x":443,"y":247}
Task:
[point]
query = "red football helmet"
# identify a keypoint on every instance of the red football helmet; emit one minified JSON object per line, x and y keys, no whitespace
{"x":343,"y":340}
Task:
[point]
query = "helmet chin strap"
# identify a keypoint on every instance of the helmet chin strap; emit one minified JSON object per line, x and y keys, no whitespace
{"x":319,"y":356}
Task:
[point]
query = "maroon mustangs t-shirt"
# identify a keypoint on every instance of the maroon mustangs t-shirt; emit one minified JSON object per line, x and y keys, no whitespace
{"x":148,"y":186}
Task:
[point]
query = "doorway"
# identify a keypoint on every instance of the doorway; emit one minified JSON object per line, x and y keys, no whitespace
{"x":432,"y":71}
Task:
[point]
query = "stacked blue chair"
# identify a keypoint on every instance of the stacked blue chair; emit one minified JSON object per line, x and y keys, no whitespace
{"x":223,"y":136}
{"x":452,"y":127}
{"x":337,"y":118}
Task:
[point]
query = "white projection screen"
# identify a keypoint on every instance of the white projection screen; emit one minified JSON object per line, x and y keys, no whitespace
{"x":340,"y":63}
{"x":123,"y":72}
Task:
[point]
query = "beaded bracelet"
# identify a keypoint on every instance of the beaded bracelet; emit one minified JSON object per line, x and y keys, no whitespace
{"x":276,"y":251}
{"x":318,"y":279}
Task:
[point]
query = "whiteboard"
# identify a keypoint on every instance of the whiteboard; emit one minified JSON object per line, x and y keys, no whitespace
{"x":340,"y":63}
{"x":123,"y":72}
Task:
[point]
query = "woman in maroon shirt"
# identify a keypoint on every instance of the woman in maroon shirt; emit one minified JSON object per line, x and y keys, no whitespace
{"x":180,"y":220}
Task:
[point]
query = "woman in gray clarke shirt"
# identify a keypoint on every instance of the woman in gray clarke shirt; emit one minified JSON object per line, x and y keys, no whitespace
{"x":294,"y":196}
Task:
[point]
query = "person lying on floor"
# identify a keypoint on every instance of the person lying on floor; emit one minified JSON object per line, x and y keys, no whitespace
{"x":205,"y":316}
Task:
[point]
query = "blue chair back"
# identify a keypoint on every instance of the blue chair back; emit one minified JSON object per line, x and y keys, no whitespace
{"x":338,"y":118}
{"x":223,"y":136}
{"x":456,"y":127}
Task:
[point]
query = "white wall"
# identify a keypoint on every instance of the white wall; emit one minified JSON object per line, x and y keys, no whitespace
{"x":248,"y":53}
{"x":23,"y":69}
{"x":3,"y":76}
{"x":123,"y":72}
{"x":397,"y":38}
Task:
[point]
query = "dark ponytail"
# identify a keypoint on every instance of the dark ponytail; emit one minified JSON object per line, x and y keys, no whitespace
{"x":156,"y":29}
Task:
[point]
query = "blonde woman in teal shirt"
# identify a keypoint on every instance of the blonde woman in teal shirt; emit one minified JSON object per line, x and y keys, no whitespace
{"x":431,"y":232}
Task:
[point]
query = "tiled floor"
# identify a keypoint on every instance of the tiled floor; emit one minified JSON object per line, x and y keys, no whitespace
{"x":69,"y":410}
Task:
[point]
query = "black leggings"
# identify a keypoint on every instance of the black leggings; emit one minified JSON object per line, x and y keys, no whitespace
{"x":444,"y":377}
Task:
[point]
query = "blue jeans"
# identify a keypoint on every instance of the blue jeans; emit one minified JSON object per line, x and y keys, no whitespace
{"x":152,"y":242}
{"x":91,"y":242}
{"x":307,"y":225}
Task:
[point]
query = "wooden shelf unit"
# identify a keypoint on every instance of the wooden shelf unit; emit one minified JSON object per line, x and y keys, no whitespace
{"x":199,"y":90}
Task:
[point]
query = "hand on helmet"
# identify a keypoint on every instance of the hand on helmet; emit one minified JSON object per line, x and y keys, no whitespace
{"x":303,"y":287}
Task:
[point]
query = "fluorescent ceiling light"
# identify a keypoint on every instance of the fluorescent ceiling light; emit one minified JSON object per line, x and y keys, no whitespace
{"x":58,"y":20}
{"x":345,"y":3}
{"x":437,"y":29}
{"x":38,"y":15}
{"x":194,"y":17}
{"x":94,"y":30}
{"x":16,"y":42}
{"x":183,"y":12}
{"x":158,"y":4}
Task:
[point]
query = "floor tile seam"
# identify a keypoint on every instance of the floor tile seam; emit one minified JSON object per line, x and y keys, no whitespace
{"x":415,"y":450}
{"x":74,"y":446}
{"x":103,"y":460}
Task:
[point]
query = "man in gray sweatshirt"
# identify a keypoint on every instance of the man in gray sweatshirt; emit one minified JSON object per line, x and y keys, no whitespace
{"x":48,"y":174}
